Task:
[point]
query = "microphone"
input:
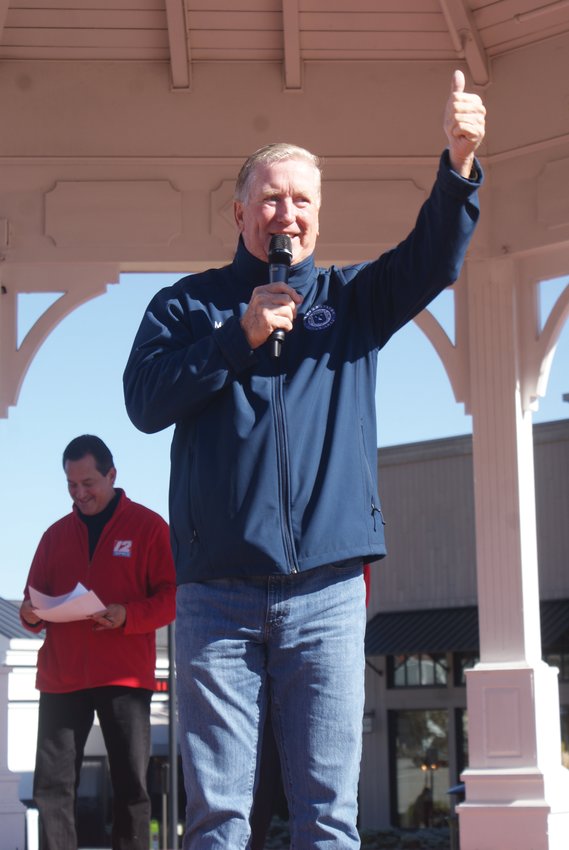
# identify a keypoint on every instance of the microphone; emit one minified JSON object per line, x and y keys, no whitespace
{"x":280,"y":257}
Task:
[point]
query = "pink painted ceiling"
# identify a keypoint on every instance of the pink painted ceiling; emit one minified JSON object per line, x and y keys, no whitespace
{"x":124,"y":123}
{"x":185,"y":32}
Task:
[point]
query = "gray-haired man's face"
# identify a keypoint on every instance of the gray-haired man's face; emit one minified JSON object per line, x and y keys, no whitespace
{"x":283,"y":197}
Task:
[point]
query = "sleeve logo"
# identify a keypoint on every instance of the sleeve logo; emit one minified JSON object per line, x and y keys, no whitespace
{"x":122,"y":548}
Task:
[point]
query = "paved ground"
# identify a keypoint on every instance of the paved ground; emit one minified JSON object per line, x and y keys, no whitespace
{"x":389,"y":839}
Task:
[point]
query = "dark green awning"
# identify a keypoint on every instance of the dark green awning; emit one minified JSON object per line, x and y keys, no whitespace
{"x":453,"y":630}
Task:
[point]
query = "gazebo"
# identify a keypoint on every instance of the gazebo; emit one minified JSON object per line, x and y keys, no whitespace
{"x":124,"y":123}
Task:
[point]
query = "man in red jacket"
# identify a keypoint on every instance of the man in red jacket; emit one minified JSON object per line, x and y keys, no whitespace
{"x":103,"y":664}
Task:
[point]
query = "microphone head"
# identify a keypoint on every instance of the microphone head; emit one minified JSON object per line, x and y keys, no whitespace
{"x":280,"y":249}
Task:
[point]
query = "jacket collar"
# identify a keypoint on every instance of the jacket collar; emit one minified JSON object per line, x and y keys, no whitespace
{"x":254,"y":272}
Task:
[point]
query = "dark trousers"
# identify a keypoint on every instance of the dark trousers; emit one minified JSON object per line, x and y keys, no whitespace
{"x":64,"y":724}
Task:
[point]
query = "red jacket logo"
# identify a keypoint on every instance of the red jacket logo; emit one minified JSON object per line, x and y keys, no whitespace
{"x":122,"y":548}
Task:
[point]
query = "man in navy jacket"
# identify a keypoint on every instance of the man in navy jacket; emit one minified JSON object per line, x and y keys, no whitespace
{"x":273,"y":496}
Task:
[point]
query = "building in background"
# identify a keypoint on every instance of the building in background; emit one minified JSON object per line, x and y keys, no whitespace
{"x":422,"y":632}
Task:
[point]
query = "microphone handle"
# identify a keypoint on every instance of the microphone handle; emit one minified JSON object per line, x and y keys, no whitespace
{"x":276,"y":340}
{"x":278,"y":273}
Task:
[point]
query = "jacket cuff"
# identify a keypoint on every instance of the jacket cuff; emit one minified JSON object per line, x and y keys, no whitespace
{"x":454,"y":182}
{"x":35,"y":628}
{"x":233,"y":344}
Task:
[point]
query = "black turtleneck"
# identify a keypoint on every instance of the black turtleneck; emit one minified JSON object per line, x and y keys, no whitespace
{"x":97,"y":522}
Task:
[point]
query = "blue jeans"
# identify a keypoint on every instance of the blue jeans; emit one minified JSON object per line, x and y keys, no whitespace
{"x":297,"y":641}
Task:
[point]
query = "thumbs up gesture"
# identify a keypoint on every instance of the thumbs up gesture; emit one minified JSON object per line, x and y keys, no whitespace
{"x":463,"y":124}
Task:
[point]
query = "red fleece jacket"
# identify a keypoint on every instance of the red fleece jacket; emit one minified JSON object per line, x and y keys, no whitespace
{"x":132,"y":565}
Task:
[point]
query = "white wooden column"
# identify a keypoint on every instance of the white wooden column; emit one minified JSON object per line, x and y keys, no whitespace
{"x":517,"y":792}
{"x":12,"y":812}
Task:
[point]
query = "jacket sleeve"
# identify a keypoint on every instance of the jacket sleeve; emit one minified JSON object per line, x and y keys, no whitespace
{"x":36,"y":629}
{"x":159,"y":607}
{"x":36,"y":580}
{"x":178,"y":364}
{"x":403,"y":281}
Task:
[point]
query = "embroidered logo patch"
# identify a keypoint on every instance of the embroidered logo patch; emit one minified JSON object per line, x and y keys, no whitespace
{"x":122,"y":548}
{"x":319,"y":318}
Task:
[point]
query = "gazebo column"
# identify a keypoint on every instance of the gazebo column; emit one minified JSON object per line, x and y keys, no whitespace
{"x":517,"y":791}
{"x":12,"y":812}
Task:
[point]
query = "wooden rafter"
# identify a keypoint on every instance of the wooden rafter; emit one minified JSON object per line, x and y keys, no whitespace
{"x":466,"y":39}
{"x":178,"y":43}
{"x":291,"y":40}
{"x":3,"y":12}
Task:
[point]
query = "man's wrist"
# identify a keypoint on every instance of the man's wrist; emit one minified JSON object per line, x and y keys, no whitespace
{"x":28,"y":623}
{"x":463,"y":168}
{"x":474,"y":175}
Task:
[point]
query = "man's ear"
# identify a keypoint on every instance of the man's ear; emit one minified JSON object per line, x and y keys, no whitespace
{"x":238,"y":214}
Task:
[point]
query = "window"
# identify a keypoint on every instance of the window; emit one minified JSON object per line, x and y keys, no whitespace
{"x":419,"y":767}
{"x":461,"y":727}
{"x":463,"y":661}
{"x":417,"y":671}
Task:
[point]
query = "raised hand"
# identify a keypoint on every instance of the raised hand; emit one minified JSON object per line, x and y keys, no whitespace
{"x":464,"y":125}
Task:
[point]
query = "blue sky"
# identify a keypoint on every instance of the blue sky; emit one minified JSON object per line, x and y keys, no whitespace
{"x":74,"y":386}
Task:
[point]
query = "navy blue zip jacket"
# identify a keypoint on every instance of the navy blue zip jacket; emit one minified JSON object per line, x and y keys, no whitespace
{"x":273,"y":462}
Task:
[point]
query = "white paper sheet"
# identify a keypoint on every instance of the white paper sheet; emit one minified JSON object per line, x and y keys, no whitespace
{"x":77,"y":605}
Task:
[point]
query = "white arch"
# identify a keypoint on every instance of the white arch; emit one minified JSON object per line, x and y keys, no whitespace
{"x":58,"y":278}
{"x":549,"y":338}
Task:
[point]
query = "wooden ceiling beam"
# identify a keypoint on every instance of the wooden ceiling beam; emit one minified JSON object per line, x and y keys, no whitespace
{"x":466,"y":39}
{"x":291,"y":44}
{"x":3,"y":12}
{"x":179,"y":44}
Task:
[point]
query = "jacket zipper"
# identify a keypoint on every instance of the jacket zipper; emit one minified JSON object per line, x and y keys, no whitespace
{"x":375,"y":510}
{"x":283,"y":472}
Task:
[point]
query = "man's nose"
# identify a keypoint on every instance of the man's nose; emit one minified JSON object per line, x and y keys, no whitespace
{"x":285,"y":210}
